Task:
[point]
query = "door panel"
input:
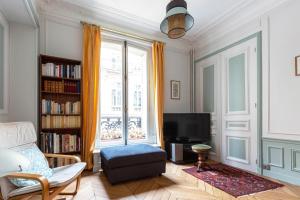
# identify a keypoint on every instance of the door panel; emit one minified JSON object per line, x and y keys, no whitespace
{"x":239,"y":96}
{"x":206,"y":87}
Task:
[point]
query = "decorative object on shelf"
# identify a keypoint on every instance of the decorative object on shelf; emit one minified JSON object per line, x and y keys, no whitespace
{"x":297,"y":65}
{"x":177,"y":21}
{"x":175,"y":90}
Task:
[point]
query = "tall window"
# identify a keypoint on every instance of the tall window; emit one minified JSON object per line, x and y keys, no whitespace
{"x":124,"y":99}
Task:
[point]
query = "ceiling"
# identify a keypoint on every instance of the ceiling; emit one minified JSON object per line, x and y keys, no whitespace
{"x":152,"y":12}
{"x":21,"y":11}
{"x":143,"y":16}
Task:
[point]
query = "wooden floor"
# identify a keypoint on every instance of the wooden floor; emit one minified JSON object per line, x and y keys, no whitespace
{"x":174,"y":184}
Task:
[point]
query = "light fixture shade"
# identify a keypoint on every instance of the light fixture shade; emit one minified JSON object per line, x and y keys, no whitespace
{"x":177,"y":21}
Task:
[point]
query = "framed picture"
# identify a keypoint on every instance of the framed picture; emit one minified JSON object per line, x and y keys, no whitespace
{"x":297,"y":66}
{"x":175,"y":89}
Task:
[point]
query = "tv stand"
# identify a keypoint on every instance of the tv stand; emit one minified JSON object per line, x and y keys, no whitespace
{"x":181,"y":151}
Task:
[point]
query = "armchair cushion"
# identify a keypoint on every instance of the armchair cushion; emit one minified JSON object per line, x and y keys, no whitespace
{"x":38,"y":165}
{"x":16,"y":134}
{"x":12,"y":161}
{"x":61,"y":176}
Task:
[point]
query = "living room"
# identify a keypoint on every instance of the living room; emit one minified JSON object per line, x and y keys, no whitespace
{"x":134,"y":99}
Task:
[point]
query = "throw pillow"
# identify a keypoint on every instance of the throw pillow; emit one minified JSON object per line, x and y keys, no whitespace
{"x":38,"y":165}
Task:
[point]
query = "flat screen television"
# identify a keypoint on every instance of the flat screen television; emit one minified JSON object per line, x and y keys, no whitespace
{"x":189,"y":127}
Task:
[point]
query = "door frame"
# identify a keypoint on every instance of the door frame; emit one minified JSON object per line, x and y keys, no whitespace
{"x":258,"y":36}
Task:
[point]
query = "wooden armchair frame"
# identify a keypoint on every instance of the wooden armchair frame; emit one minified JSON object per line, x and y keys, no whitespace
{"x":47,"y":193}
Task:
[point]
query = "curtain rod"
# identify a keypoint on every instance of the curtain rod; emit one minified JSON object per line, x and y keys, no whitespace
{"x":122,"y":33}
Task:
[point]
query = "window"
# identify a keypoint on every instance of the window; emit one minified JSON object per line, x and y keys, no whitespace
{"x":124,"y":95}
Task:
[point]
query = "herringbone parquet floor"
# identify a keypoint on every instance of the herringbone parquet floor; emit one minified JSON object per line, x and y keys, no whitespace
{"x":174,"y":184}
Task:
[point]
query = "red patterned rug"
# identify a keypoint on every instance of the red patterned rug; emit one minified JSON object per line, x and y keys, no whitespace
{"x":233,"y":181}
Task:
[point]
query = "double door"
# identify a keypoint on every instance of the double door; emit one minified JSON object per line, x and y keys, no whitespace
{"x":226,"y":87}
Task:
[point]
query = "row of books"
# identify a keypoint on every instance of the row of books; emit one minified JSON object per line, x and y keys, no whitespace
{"x":52,"y":107}
{"x":58,"y":162}
{"x":61,"y":86}
{"x":59,"y":143}
{"x":62,"y":71}
{"x":61,"y":121}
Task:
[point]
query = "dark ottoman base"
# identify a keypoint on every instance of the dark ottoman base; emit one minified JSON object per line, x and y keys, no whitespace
{"x":132,"y":162}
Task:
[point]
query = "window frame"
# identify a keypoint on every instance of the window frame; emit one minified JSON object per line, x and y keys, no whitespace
{"x":125,"y":43}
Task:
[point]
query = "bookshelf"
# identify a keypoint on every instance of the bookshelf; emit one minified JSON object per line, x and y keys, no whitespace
{"x":60,"y":106}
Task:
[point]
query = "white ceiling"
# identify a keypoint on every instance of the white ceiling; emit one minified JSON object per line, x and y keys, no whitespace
{"x":143,"y":16}
{"x":21,"y":11}
{"x":152,"y":12}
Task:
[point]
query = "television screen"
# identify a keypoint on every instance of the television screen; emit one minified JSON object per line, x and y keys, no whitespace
{"x":192,"y":127}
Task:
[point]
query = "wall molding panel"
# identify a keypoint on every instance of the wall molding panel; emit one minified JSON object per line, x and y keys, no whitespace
{"x":280,"y":122}
{"x":284,"y":158}
{"x":295,"y":161}
{"x":276,"y":154}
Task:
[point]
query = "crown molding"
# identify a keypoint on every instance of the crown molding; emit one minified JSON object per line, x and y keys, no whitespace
{"x":104,"y":13}
{"x":219,"y":19}
{"x":115,"y":15}
{"x":73,"y":20}
{"x":112,"y":13}
{"x":242,"y":22}
{"x":32,"y":12}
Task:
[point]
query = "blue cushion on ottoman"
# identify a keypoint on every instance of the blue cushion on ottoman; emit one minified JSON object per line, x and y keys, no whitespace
{"x":128,"y":155}
{"x":130,"y":162}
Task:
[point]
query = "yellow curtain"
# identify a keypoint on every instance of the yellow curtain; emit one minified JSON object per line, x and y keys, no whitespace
{"x":91,"y":73}
{"x":158,"y":62}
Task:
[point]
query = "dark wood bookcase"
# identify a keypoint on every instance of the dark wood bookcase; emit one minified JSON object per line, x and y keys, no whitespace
{"x":60,"y":123}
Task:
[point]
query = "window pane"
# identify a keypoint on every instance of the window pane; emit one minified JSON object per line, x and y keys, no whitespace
{"x":111,"y":125}
{"x":137,"y":94}
{"x":208,"y":89}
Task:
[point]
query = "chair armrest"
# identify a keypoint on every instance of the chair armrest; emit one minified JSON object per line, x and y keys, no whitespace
{"x":41,"y":179}
{"x":76,"y":158}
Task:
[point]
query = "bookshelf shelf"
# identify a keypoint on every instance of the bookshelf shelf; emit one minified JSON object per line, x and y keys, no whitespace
{"x":61,"y":114}
{"x":60,"y":91}
{"x":60,"y":78}
{"x":60,"y":129}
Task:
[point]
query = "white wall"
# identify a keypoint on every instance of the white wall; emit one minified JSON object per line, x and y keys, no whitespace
{"x":22,"y":80}
{"x":281,"y":94}
{"x":23,"y":73}
{"x":4,"y":22}
{"x":177,"y":68}
{"x":63,"y":38}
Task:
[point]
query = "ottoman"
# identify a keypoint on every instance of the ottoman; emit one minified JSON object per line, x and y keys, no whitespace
{"x":130,"y":162}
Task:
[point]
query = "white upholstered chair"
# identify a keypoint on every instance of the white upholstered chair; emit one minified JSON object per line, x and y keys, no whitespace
{"x":22,"y":135}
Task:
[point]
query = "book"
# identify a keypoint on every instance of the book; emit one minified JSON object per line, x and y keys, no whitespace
{"x":60,"y":143}
{"x":61,"y":71}
{"x":53,"y":107}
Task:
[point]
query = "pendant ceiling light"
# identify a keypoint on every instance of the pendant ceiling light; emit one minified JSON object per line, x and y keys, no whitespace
{"x":177,"y":21}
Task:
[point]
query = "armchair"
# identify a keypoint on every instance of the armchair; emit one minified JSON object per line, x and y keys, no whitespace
{"x":22,"y":135}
